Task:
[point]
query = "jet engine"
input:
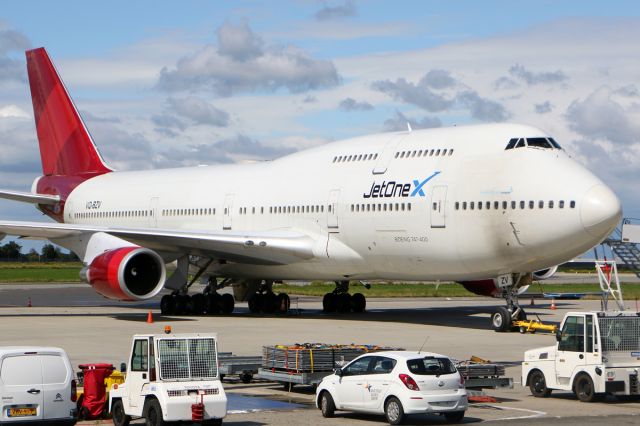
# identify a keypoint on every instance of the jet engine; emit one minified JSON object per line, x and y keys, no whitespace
{"x":126,"y":273}
{"x":545,"y":274}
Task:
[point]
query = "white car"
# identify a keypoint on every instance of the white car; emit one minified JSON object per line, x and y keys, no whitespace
{"x":37,"y":386}
{"x":397,"y":384}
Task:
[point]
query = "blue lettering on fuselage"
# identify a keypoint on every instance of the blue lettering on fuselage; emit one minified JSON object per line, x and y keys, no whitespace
{"x":398,"y":189}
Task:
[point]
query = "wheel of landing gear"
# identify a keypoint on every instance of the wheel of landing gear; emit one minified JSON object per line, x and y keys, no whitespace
{"x":269,"y":303}
{"x":358,"y":302}
{"x":255,"y":303}
{"x":501,"y":320}
{"x":226,"y":303}
{"x":199,"y":302}
{"x":167,"y":305}
{"x":213,"y":306}
{"x":180,"y":306}
{"x":283,"y":303}
{"x":343,"y":304}
{"x":329,"y":303}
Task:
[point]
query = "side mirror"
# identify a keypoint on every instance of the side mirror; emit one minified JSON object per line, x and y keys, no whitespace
{"x":123,"y":367}
{"x":558,"y":335}
{"x":338,"y":372}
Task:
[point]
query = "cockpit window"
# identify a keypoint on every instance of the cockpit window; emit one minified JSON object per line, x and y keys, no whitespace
{"x":546,"y":143}
{"x":554,"y":143}
{"x":512,"y":143}
{"x":539,"y":143}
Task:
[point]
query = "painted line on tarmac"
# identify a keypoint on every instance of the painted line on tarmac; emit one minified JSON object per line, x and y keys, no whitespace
{"x":534,"y":414}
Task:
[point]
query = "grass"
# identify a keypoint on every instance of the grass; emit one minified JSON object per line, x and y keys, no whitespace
{"x":41,"y":272}
{"x":70,"y":272}
{"x":631,"y":291}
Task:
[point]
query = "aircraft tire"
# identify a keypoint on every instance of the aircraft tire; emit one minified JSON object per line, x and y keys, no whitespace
{"x":501,"y":320}
{"x":213,"y":305}
{"x":269,"y":303}
{"x":199,"y":302}
{"x":358,"y":302}
{"x":283,"y":303}
{"x":255,"y":303}
{"x":343,"y":303}
{"x":226,"y":303}
{"x":167,"y":305}
{"x":329,"y":303}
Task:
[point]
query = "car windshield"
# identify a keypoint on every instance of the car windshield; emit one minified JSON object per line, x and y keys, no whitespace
{"x":431,"y":366}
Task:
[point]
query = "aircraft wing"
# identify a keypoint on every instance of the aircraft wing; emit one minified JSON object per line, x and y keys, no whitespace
{"x":28,"y":197}
{"x":267,"y":248}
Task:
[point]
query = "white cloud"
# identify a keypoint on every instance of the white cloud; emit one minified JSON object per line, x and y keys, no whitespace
{"x":240,"y":62}
{"x":13,"y":111}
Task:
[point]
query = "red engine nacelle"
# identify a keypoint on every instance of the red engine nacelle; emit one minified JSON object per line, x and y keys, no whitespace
{"x":127,"y":273}
{"x":482,"y":287}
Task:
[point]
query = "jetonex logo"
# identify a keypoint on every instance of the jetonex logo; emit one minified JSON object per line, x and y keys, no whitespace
{"x":398,"y":189}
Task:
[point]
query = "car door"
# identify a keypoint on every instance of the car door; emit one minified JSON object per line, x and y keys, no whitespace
{"x":377,"y":382}
{"x":139,"y":374}
{"x":21,"y":383}
{"x":350,"y":388}
{"x":56,"y":386}
{"x":571,"y":348}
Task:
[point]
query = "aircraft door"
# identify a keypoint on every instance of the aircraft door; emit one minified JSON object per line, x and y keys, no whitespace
{"x":332,"y":209}
{"x":153,"y":212}
{"x":384,"y":158}
{"x":438,"y":206}
{"x":228,"y":206}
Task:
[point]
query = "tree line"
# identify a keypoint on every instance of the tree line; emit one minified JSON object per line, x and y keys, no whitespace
{"x":12,"y":252}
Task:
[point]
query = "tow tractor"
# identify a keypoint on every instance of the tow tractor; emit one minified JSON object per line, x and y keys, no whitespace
{"x":170,"y":377}
{"x":596,"y":353}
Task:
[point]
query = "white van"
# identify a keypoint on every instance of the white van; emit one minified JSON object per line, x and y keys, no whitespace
{"x":37,"y":386}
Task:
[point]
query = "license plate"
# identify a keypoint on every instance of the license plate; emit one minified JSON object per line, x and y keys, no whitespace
{"x":21,"y":412}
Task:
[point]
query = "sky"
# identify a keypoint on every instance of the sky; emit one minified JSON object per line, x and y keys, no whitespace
{"x":170,"y":84}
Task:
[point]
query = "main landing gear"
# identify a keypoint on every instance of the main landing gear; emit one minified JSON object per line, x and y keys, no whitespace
{"x":209,"y":302}
{"x":264,"y":300}
{"x":503,"y":317}
{"x":341,"y":301}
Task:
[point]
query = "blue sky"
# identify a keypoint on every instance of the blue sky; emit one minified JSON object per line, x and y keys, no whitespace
{"x":164,"y":83}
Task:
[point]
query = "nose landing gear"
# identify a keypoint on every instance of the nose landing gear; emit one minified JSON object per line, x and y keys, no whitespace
{"x":503,"y":317}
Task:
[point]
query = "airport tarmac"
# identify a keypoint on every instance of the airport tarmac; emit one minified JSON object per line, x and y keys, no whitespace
{"x":93,"y":329}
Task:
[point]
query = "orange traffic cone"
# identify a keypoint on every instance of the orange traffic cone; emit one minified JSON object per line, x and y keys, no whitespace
{"x":553,"y":305}
{"x":150,"y":317}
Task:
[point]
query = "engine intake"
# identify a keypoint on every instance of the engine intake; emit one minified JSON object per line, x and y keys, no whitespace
{"x":127,"y":274}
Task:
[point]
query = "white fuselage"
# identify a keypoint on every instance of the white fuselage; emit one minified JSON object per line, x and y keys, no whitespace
{"x":417,"y":232}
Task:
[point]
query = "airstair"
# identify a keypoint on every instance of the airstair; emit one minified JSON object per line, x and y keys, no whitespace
{"x":624,"y":244}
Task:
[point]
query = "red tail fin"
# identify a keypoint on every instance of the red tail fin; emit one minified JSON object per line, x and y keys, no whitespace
{"x":66,"y":148}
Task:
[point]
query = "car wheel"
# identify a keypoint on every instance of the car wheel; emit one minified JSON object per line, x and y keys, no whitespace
{"x":538,"y":385}
{"x":454,"y":416}
{"x":152,"y":413}
{"x":393,"y":411}
{"x":584,"y":388}
{"x":501,"y":320}
{"x":327,"y":406}
{"x":246,"y":378}
{"x":118,"y":415}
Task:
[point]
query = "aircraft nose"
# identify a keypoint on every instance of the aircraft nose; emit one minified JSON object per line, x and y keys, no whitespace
{"x":600,"y":211}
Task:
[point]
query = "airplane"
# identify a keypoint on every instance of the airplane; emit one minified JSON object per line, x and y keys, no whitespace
{"x":483,"y":205}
